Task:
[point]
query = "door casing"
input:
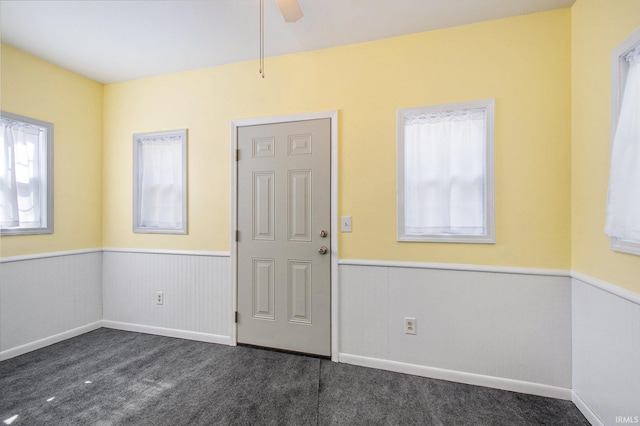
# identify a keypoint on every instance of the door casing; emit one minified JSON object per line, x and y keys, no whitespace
{"x":235,"y":124}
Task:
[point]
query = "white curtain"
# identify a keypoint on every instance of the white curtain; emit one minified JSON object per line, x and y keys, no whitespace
{"x":444,"y":172}
{"x":20,"y":196}
{"x":160,"y":182}
{"x":623,"y":205}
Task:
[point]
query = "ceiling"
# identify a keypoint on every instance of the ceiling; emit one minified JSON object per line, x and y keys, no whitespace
{"x":113,"y":41}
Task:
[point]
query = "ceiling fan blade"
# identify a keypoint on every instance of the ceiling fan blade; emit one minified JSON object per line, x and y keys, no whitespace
{"x":290,"y":10}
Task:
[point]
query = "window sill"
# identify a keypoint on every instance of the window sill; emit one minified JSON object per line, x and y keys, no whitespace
{"x":462,"y":239}
{"x":5,"y":232}
{"x":625,"y":246}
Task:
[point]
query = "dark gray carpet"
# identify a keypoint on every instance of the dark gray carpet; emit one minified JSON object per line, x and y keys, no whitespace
{"x":111,"y":377}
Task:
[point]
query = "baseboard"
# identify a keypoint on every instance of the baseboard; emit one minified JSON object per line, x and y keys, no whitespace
{"x":585,"y":410}
{"x":168,"y":332}
{"x":459,"y":376}
{"x":56,"y":338}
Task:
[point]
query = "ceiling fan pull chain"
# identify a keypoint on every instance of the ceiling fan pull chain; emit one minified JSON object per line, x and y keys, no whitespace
{"x":262,"y":38}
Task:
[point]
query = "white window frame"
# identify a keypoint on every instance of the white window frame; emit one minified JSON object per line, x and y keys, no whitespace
{"x":619,"y":70}
{"x":137,"y":171}
{"x":488,"y":237}
{"x":46,"y":180}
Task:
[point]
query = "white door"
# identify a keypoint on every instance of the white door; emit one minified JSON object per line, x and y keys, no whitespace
{"x":284,"y":252}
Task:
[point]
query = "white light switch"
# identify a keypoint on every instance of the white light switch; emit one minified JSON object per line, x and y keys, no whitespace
{"x":345,"y":223}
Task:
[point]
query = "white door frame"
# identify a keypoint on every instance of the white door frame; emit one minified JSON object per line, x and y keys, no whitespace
{"x":333,"y":116}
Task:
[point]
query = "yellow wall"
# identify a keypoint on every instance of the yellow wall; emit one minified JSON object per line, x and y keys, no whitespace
{"x":38,"y":89}
{"x":523,"y":62}
{"x":598,"y":27}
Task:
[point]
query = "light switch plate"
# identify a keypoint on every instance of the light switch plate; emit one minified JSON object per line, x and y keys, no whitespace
{"x":345,"y":223}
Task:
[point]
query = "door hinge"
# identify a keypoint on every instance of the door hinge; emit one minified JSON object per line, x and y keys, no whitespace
{"x":237,"y":236}
{"x":236,"y":317}
{"x":237,"y":155}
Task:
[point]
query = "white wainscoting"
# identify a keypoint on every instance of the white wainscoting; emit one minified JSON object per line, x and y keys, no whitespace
{"x":196,"y":288}
{"x":504,"y":328}
{"x":45,"y":299}
{"x":525,"y":330}
{"x":606,"y":351}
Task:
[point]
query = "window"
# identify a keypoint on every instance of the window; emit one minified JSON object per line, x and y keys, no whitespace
{"x":445,"y":173}
{"x":623,"y":203}
{"x":160,"y":182}
{"x":26,"y":175}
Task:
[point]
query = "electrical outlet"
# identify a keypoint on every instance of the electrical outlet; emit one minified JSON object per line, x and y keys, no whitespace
{"x":159,"y":298}
{"x":410,"y":325}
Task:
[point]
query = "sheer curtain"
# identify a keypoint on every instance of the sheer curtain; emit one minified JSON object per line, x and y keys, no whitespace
{"x":623,"y":204}
{"x":445,"y":172}
{"x":20,"y":198}
{"x":161,"y":176}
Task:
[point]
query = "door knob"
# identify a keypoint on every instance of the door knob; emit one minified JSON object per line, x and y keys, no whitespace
{"x":323,"y":250}
{"x":323,"y":234}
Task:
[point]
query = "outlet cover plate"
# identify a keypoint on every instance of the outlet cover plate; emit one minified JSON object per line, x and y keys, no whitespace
{"x":410,"y":325}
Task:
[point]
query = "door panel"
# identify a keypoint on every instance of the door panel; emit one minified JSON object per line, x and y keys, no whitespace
{"x":300,"y":291}
{"x":299,"y":201}
{"x":263,"y":288}
{"x":264,"y":205}
{"x":283,"y":205}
